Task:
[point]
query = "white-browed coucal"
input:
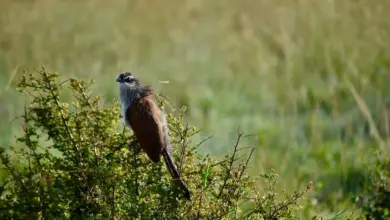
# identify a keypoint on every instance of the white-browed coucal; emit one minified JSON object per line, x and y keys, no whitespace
{"x":142,"y":114}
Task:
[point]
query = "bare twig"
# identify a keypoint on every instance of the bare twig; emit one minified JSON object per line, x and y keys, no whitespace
{"x":231,"y":162}
{"x":86,"y":99}
{"x":204,"y":140}
{"x":246,"y":163}
{"x":200,"y":205}
{"x":250,"y":135}
{"x":183,"y":147}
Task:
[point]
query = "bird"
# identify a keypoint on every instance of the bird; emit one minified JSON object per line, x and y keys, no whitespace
{"x":150,"y":128}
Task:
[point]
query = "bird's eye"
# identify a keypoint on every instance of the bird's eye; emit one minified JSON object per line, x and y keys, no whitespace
{"x":129,"y":79}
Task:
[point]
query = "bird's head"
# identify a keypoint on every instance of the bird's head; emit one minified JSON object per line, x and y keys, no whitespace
{"x":128,"y":80}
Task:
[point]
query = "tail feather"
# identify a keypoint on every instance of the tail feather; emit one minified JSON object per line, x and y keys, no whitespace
{"x":175,"y":173}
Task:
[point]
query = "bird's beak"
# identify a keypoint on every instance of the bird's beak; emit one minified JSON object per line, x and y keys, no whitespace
{"x":118,"y":80}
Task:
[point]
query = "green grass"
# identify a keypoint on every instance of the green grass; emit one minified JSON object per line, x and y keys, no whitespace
{"x":278,"y":69}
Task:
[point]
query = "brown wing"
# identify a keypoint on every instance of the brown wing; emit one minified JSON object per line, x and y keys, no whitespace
{"x":143,"y":118}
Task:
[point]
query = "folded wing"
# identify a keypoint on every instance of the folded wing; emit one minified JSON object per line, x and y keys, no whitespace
{"x":143,"y":117}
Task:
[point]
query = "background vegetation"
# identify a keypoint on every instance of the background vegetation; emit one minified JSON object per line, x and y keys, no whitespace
{"x":308,"y":78}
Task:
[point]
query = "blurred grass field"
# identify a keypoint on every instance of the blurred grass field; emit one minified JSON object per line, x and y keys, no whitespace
{"x":298,"y":74}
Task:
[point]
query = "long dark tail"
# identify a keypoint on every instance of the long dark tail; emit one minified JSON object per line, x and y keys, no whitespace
{"x":175,"y":173}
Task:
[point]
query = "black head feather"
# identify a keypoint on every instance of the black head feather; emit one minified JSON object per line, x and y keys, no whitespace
{"x":127,"y":77}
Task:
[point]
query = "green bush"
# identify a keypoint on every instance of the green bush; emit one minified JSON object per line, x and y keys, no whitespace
{"x":376,"y":203}
{"x":74,"y":161}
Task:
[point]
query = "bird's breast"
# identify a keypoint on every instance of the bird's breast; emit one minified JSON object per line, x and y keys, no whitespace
{"x":126,"y":104}
{"x":125,"y":119}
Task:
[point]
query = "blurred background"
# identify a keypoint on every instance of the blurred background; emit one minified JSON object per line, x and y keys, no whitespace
{"x":309,"y":78}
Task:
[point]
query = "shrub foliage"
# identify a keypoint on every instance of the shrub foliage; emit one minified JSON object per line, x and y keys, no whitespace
{"x":75,"y":160}
{"x":376,"y":202}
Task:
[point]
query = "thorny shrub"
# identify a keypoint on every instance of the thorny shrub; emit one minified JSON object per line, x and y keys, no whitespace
{"x":74,"y":161}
